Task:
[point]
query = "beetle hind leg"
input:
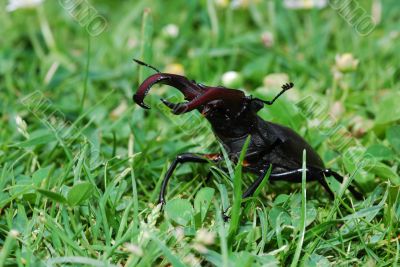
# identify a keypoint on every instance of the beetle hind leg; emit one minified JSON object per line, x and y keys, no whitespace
{"x":295,"y":175}
{"x":339,"y":178}
{"x":322,"y":181}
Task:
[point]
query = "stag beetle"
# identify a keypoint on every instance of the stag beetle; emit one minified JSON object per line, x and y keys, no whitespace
{"x":233,"y":117}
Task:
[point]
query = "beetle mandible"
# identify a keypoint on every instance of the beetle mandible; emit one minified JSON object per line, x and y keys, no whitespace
{"x":233,"y":117}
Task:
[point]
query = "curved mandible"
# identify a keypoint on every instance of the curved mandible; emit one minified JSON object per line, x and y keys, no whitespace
{"x":212,"y":93}
{"x":189,"y":88}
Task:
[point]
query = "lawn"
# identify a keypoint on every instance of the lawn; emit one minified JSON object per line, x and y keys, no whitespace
{"x":81,"y":164}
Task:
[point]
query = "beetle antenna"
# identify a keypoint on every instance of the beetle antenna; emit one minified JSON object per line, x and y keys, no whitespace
{"x":285,"y":87}
{"x":146,"y":65}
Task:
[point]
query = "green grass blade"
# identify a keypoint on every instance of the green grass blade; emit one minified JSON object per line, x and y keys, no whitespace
{"x":302,"y":224}
{"x":237,"y":192}
{"x":146,"y":42}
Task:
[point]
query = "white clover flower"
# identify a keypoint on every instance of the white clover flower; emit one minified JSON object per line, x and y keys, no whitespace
{"x":337,"y":109}
{"x":14,"y":233}
{"x":134,"y":249}
{"x":360,"y":126}
{"x":236,"y":4}
{"x":337,"y":75}
{"x":273,"y":83}
{"x":179,"y":234}
{"x":22,"y":4}
{"x":377,"y":11}
{"x":222,"y":3}
{"x":275,"y":80}
{"x":191,"y":260}
{"x":394,"y":34}
{"x":132,"y":43}
{"x":205,"y":237}
{"x":175,"y":68}
{"x":200,"y":248}
{"x":305,"y":4}
{"x":171,"y":30}
{"x":313,"y":123}
{"x":119,"y":110}
{"x":232,"y":79}
{"x":267,"y":39}
{"x":346,"y":63}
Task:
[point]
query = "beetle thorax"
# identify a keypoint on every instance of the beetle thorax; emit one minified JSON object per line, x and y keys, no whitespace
{"x":226,"y":125}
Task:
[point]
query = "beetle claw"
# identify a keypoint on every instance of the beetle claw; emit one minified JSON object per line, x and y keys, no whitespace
{"x":162,"y":203}
{"x":225,"y":217}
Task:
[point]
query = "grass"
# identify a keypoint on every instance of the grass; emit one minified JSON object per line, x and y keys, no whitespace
{"x":81,"y":165}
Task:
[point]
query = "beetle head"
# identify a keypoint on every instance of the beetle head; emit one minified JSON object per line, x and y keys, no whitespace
{"x":231,"y":110}
{"x":198,"y":96}
{"x":213,"y":102}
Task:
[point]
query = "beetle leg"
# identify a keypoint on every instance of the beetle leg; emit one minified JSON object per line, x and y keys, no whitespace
{"x":274,"y":176}
{"x":253,"y":187}
{"x":323,"y":182}
{"x":249,"y":191}
{"x":183,"y":158}
{"x":287,"y":175}
{"x":319,"y":175}
{"x":339,"y":178}
{"x":295,"y":173}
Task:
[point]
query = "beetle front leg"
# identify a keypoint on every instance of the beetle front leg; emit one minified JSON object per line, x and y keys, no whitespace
{"x":184,"y":158}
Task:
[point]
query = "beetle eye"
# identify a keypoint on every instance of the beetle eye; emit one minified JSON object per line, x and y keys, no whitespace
{"x":256,"y":104}
{"x":215,"y":104}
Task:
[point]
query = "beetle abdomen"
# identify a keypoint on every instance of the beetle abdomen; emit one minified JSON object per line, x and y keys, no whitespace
{"x":288,"y":150}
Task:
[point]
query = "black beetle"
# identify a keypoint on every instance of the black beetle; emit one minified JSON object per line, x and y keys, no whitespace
{"x":233,"y":117}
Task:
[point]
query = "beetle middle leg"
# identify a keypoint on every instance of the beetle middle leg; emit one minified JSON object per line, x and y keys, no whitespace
{"x":253,"y":187}
{"x":319,"y":174}
{"x":249,"y":191}
{"x":184,"y":158}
